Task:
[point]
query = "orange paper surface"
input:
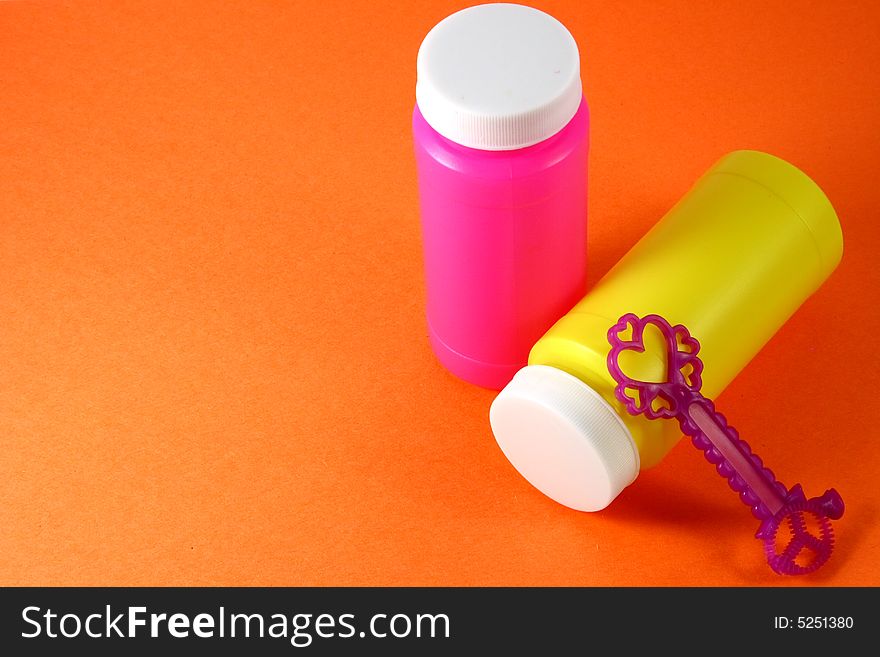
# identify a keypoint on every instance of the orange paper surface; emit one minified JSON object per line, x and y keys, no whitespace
{"x":214,"y":367}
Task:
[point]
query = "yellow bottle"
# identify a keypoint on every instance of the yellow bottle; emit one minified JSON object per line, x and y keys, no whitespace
{"x":731,"y":261}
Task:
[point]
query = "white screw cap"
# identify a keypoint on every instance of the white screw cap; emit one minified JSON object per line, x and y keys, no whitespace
{"x":498,"y":77}
{"x":564,"y":438}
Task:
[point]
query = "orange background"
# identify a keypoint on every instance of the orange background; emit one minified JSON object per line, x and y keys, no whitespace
{"x":213,"y":358}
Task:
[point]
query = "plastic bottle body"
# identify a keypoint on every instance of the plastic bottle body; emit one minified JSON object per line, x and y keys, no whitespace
{"x":732,"y":261}
{"x":504,"y":236}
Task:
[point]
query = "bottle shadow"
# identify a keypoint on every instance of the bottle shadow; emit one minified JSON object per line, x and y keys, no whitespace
{"x":607,"y":247}
{"x":657,"y":501}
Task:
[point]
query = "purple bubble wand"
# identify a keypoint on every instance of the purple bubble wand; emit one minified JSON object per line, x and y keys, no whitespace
{"x":678,"y":396}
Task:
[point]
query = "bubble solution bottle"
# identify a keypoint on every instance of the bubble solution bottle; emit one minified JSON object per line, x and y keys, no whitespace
{"x":501,"y":136}
{"x":731,"y":261}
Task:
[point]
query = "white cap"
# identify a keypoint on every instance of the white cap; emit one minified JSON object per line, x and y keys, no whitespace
{"x":498,"y":77}
{"x":564,"y":438}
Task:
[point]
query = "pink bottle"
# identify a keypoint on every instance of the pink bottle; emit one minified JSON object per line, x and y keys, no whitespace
{"x":501,"y":137}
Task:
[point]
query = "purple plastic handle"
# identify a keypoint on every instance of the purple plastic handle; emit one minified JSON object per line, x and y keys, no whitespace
{"x":679,"y":397}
